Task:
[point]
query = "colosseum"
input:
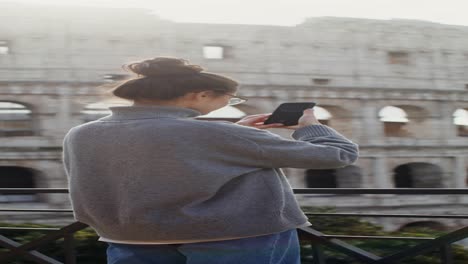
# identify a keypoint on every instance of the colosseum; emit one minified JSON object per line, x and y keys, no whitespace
{"x":396,"y":87}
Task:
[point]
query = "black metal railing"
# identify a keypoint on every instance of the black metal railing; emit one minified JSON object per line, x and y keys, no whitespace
{"x":317,"y":239}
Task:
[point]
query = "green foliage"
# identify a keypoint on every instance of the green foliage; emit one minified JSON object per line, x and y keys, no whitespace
{"x":90,"y":251}
{"x":355,"y":226}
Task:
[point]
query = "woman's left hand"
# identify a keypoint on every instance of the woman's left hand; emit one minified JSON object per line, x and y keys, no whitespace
{"x":257,"y":121}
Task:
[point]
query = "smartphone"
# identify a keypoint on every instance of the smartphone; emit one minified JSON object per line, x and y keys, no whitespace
{"x":288,"y":114}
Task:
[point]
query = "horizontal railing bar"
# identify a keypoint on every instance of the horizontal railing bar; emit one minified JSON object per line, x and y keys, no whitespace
{"x":378,"y":237}
{"x":32,"y":190}
{"x":38,"y":210}
{"x":406,"y":191}
{"x":328,"y":236}
{"x":309,"y":214}
{"x":28,"y":228}
{"x":388,"y":215}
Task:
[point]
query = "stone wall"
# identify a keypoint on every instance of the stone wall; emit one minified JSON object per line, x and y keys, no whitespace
{"x":57,"y":59}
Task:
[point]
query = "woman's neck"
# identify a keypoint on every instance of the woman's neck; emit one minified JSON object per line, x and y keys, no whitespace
{"x":158,"y":102}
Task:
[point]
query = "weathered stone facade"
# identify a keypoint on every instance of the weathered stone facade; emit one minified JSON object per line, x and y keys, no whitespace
{"x":53,"y":60}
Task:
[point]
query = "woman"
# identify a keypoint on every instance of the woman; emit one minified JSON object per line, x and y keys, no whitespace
{"x":162,"y":187}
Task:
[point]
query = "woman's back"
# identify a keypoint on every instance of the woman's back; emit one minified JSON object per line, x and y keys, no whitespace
{"x":137,"y":168}
{"x":151,"y":174}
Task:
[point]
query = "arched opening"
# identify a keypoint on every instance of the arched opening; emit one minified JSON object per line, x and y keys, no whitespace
{"x":98,"y":110}
{"x":335,"y":116}
{"x":418,"y":175}
{"x":346,"y":177}
{"x":15,"y":120}
{"x":349,"y":177}
{"x":95,"y":111}
{"x":321,"y":178}
{"x":395,"y":120}
{"x":227,"y":113}
{"x":460,"y":119}
{"x":423,"y":225}
{"x":322,"y":115}
{"x":17,"y":177}
{"x":466,"y":179}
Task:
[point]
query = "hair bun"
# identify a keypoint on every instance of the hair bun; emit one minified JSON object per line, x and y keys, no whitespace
{"x":163,"y":66}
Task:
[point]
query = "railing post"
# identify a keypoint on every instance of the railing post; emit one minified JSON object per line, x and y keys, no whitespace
{"x":69,"y":248}
{"x":319,"y":258}
{"x":446,"y":256}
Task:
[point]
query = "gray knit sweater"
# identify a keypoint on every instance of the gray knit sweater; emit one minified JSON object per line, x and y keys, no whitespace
{"x":154,"y":173}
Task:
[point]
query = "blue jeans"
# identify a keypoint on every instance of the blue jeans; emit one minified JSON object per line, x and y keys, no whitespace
{"x":280,"y":248}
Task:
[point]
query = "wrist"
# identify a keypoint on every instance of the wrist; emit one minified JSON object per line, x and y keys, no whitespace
{"x":309,"y":124}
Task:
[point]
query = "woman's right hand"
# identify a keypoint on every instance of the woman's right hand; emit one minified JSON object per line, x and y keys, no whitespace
{"x":308,"y":118}
{"x":257,"y":121}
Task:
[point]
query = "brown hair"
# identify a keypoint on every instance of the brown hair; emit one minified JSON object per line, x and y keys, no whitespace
{"x":166,"y":78}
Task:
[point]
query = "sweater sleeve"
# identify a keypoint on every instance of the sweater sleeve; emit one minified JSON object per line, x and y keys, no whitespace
{"x":65,"y":155}
{"x":314,"y":147}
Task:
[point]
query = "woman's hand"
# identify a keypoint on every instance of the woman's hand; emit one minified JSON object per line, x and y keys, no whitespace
{"x":257,"y":121}
{"x":308,"y":118}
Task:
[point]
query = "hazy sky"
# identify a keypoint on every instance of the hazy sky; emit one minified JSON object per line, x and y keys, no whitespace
{"x":285,"y":12}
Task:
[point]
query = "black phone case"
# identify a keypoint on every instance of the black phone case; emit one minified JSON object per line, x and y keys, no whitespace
{"x":288,"y":113}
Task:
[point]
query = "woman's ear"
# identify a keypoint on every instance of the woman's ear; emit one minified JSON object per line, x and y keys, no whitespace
{"x":194,"y":95}
{"x":204,"y":94}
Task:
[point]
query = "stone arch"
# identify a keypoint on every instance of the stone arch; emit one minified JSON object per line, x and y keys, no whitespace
{"x":434,"y":225}
{"x":16,"y":119}
{"x":402,"y":120}
{"x":18,"y":177}
{"x":323,"y":115}
{"x":346,"y":177}
{"x":465,"y":162}
{"x":321,"y":178}
{"x":93,"y":111}
{"x":249,"y":109}
{"x":460,"y":120}
{"x":227,"y":113}
{"x":349,"y":177}
{"x":340,"y":118}
{"x":394,"y":120}
{"x":40,"y":106}
{"x":336,"y":111}
{"x":244,"y":109}
{"x":418,"y":175}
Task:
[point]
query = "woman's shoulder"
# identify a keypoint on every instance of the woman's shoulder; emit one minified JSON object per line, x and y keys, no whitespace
{"x":223,"y":125}
{"x":232,"y":129}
